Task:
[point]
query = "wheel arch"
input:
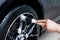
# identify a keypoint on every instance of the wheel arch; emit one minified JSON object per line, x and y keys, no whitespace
{"x":9,"y":5}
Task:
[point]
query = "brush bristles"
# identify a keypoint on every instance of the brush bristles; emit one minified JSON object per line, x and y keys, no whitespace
{"x":33,"y":20}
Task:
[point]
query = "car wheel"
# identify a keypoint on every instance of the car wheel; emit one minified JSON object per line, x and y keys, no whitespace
{"x":17,"y":24}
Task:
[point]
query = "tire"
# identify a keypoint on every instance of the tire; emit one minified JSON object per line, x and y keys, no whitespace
{"x":12,"y":15}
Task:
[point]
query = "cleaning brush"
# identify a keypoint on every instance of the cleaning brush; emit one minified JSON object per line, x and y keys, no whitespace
{"x":33,"y":21}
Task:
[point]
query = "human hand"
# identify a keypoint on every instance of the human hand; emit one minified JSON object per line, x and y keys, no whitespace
{"x":49,"y":25}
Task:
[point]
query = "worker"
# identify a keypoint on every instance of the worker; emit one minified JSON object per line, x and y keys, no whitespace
{"x":49,"y":25}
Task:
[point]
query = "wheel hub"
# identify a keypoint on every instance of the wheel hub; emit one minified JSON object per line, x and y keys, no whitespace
{"x":24,"y":29}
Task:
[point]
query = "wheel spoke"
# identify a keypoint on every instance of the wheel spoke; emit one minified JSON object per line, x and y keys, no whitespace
{"x":20,"y":28}
{"x":33,"y":35}
{"x":24,"y":30}
{"x":31,"y":29}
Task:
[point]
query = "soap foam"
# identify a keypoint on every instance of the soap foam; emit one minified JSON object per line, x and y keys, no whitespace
{"x":33,"y":20}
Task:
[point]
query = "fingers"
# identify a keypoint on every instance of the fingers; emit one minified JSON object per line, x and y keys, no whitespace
{"x":41,"y":21}
{"x":42,"y":24}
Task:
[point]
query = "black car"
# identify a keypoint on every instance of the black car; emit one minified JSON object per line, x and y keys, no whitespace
{"x":15,"y":19}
